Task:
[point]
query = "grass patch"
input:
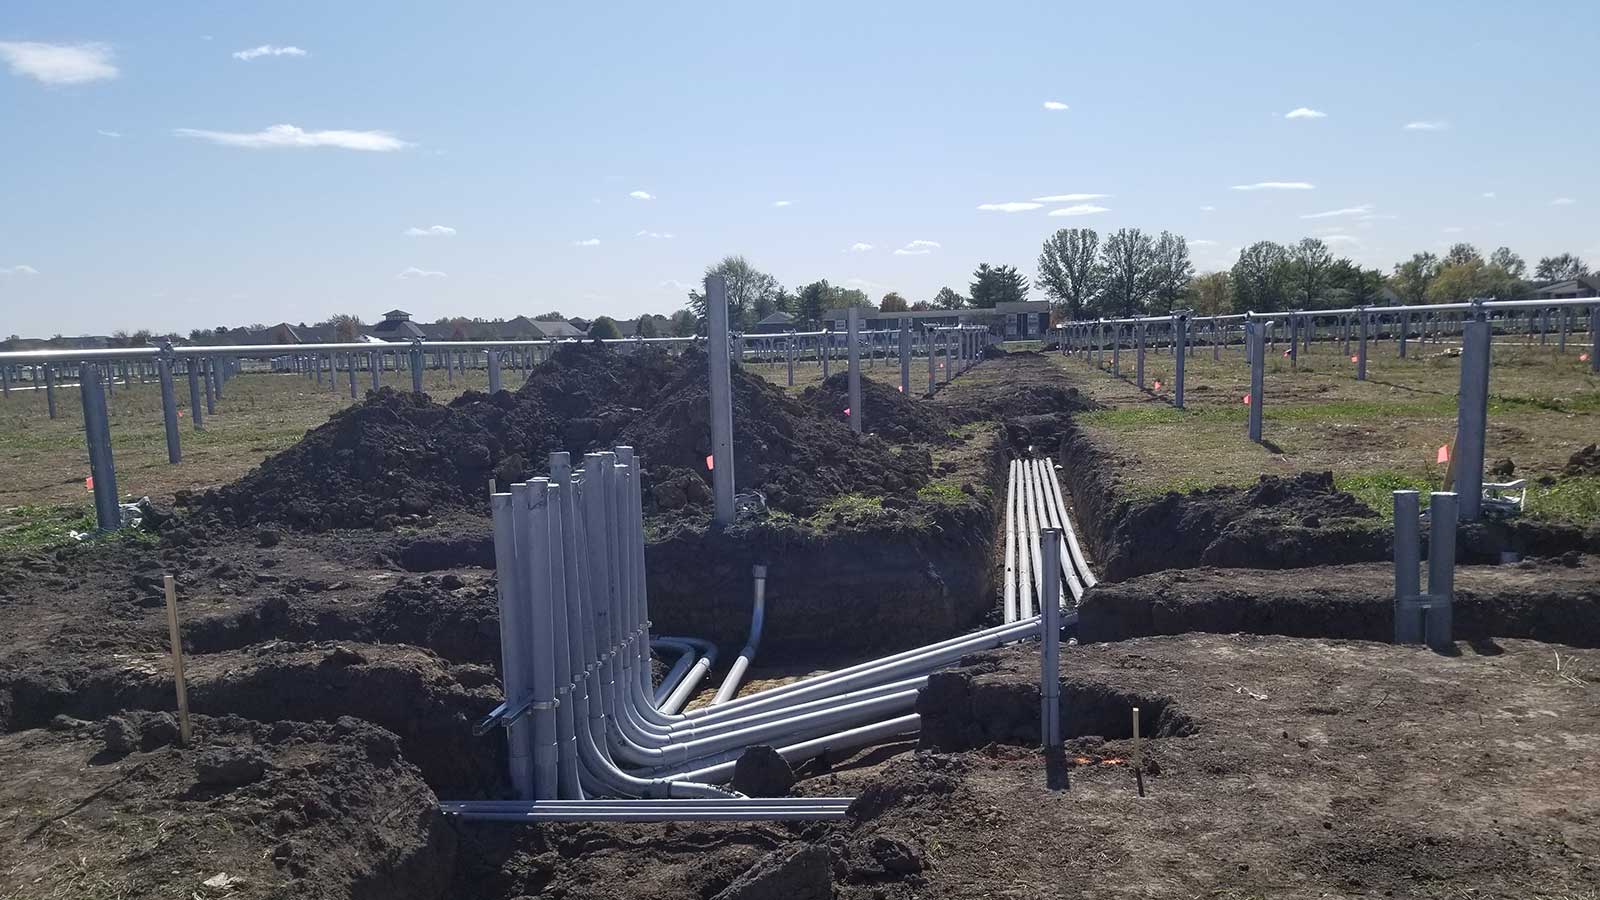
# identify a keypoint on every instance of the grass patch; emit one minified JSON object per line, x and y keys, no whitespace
{"x":1575,"y":499}
{"x":849,"y":509}
{"x":1376,"y":489}
{"x":943,"y":492}
{"x":30,"y":528}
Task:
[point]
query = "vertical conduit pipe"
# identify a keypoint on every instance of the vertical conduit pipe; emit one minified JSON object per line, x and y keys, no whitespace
{"x":1050,"y":645}
{"x":758,"y":614}
{"x":513,"y":647}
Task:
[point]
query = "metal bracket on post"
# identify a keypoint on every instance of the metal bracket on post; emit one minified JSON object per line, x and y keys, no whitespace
{"x":721,"y":400}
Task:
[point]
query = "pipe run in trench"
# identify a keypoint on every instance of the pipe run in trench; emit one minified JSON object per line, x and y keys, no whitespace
{"x":1035,"y":503}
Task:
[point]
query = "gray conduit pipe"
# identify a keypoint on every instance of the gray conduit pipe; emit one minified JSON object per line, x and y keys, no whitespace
{"x":1048,"y":517}
{"x":747,"y":810}
{"x":569,"y":783}
{"x":1010,"y":598}
{"x":513,"y":665}
{"x":529,"y":516}
{"x":758,"y":615}
{"x":1078,"y":558}
{"x":844,"y":740}
{"x":687,"y":655}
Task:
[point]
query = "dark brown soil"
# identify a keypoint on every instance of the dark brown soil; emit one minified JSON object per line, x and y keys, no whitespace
{"x":1556,"y":600}
{"x":889,"y":413}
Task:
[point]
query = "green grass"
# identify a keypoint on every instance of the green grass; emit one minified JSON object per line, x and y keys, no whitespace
{"x":848,"y":509}
{"x":30,"y":529}
{"x":943,"y":492}
{"x":1575,"y":499}
{"x":1376,"y":489}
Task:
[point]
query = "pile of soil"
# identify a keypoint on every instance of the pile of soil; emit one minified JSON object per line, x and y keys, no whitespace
{"x":797,"y":457}
{"x":1278,"y":522}
{"x":888,"y":412}
{"x":1584,"y":462}
{"x":398,"y":457}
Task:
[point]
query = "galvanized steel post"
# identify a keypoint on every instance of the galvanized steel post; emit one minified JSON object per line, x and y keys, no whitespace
{"x":1407,"y":568}
{"x":1050,"y":638}
{"x":1138,"y":365}
{"x":1472,"y":415}
{"x":932,"y":365}
{"x":1361,"y":348}
{"x":494,"y":371}
{"x":169,"y":404}
{"x":721,"y":400}
{"x":416,"y":367}
{"x":1180,"y":335}
{"x":853,"y":334}
{"x":192,"y":366}
{"x":905,"y":358}
{"x":1439,"y":624}
{"x":97,"y":434}
{"x":49,"y":389}
{"x":1257,"y":338}
{"x":1594,"y":339}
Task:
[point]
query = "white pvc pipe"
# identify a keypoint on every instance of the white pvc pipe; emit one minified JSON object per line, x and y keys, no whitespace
{"x":758,"y":614}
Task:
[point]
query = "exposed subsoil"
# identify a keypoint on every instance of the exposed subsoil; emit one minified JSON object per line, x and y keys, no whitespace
{"x":1555,"y":600}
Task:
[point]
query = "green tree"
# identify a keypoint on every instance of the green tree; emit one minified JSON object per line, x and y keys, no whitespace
{"x":749,"y":289}
{"x":1509,"y":263}
{"x":1170,"y":272}
{"x":1412,"y":277}
{"x":550,"y":317}
{"x":604,"y":327}
{"x":1129,"y":260}
{"x":1213,"y":293}
{"x":1350,"y":285}
{"x":997,"y":284}
{"x":1309,"y":262}
{"x":815,"y":299}
{"x":1560,"y":268}
{"x":1260,"y":278}
{"x":647,"y":327}
{"x":346,"y":326}
{"x":849,"y":297}
{"x":947,"y":298}
{"x":1462,"y":253}
{"x":922,"y":306}
{"x":1069,"y":269}
{"x":685,"y":323}
{"x":893,"y":302}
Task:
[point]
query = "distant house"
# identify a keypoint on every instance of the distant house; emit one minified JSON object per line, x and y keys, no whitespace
{"x":778,"y":322}
{"x":1570,"y":289}
{"x":557,"y":329}
{"x":397,"y":326}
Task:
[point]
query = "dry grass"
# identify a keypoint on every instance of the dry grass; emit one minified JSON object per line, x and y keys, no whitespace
{"x":1372,"y":435}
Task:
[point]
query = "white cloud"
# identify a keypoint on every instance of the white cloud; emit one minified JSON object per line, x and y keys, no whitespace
{"x":1079,"y":209}
{"x":1562,"y":201}
{"x":1202,"y":242}
{"x":59,"y":63}
{"x":1009,"y":207}
{"x":1361,"y":210}
{"x":641,"y":195}
{"x":1070,"y":198}
{"x":781,"y":203}
{"x":431,"y":231}
{"x":292,"y":136}
{"x":267,"y":50}
{"x":644,"y":233}
{"x":860,"y":247}
{"x":1426,"y":126}
{"x":18,"y":270}
{"x":1305,"y":112}
{"x":1275,"y":186}
{"x":1375,"y":217}
{"x":590,"y":242}
{"x":1054,"y":105}
{"x":109,"y":134}
{"x":1208,"y":209}
{"x":414,"y":272}
{"x":917,"y":248}
{"x":1487,"y":195}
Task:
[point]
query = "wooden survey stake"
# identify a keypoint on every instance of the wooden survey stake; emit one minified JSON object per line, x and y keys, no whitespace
{"x":177,"y":660}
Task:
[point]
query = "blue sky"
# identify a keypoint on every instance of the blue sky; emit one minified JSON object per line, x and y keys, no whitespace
{"x":144,"y":183}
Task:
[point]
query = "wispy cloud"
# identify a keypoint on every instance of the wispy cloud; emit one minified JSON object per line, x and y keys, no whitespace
{"x":1054,"y":105}
{"x":663,"y":235}
{"x":1487,"y":195}
{"x":267,"y":50}
{"x":917,"y":248}
{"x":431,"y":231}
{"x":1070,"y":198}
{"x":1562,"y":201}
{"x":860,"y":247}
{"x":1426,"y":126}
{"x":59,"y":63}
{"x":1009,"y":207}
{"x":782,"y":203}
{"x":1202,"y":242}
{"x":641,"y":195}
{"x":292,"y":136}
{"x":1276,"y":186}
{"x":1079,"y":209}
{"x":1363,"y":209}
{"x":414,"y":272}
{"x":588,"y":242}
{"x":1340,"y":239}
{"x":18,"y":270}
{"x":1305,"y":112}
{"x":1208,"y":209}
{"x":110,"y":134}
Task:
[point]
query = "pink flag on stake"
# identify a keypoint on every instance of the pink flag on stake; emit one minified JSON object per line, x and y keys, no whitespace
{"x":901,"y":388}
{"x":1285,"y":354}
{"x":708,"y":461}
{"x":1352,"y":359}
{"x":88,"y":483}
{"x":1583,"y":357}
{"x":847,"y":410}
{"x":1158,"y":385}
{"x":1246,"y":399}
{"x":1444,"y":454}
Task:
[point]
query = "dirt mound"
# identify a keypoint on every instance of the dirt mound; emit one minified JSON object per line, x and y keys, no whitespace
{"x":888,"y":412}
{"x":287,"y":809}
{"x":1278,"y":522}
{"x":1584,"y":462}
{"x":796,"y":457}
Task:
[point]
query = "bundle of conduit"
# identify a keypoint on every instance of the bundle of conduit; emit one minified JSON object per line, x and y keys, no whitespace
{"x":1033,"y":502}
{"x":589,"y":738}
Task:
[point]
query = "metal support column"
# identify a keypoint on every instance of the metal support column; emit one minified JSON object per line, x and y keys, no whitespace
{"x":721,"y":400}
{"x":416,"y":368}
{"x":1256,"y":335}
{"x":1361,"y":348}
{"x":97,"y":434}
{"x":1407,"y":567}
{"x":192,"y":366}
{"x":1472,"y":416}
{"x":853,"y":335}
{"x":1050,"y":638}
{"x":905,"y":357}
{"x":169,"y":405}
{"x":1138,"y":364}
{"x":1180,"y":336}
{"x":49,"y":389}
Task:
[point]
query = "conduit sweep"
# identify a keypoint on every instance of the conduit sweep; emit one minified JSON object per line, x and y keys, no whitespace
{"x":582,"y":719}
{"x":1034,"y":501}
